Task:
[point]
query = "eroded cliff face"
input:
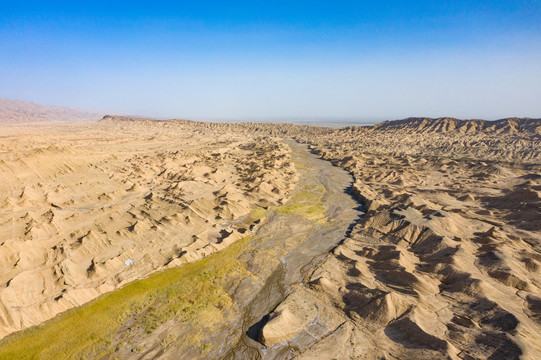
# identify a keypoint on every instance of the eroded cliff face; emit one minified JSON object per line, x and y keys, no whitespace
{"x":446,"y":261}
{"x":86,"y":209}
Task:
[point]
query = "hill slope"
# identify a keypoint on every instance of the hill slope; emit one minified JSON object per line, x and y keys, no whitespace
{"x":444,"y":125}
{"x":18,"y":111}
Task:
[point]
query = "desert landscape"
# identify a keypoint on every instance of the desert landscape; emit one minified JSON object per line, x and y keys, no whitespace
{"x":445,"y":262}
{"x":131,"y":238}
{"x":270,"y":180}
{"x":88,"y":209}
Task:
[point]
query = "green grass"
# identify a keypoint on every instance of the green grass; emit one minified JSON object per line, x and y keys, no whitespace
{"x":306,"y":202}
{"x":256,"y":214}
{"x":300,"y":166}
{"x":195,"y":289}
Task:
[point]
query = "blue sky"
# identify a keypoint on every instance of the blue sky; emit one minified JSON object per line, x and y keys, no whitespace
{"x":366,"y":60}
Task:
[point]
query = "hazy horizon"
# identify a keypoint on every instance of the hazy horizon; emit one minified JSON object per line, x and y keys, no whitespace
{"x":215,"y":61}
{"x":315,"y":121}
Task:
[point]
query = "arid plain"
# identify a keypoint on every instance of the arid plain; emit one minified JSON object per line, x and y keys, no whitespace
{"x":134,"y":238}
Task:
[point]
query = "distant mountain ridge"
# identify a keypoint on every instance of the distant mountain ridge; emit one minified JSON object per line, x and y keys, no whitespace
{"x":19,"y":111}
{"x":447,"y":124}
{"x":413,"y":125}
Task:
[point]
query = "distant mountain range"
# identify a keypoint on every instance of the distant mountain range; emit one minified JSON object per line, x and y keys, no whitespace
{"x":18,"y":112}
{"x":523,"y":126}
{"x":446,"y":124}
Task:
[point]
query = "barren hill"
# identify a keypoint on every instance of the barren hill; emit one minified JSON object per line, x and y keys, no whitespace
{"x":18,"y":111}
{"x":445,"y":125}
{"x":445,"y":263}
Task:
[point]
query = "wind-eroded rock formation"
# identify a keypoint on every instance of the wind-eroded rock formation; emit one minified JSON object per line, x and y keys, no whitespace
{"x":85,"y":209}
{"x":445,"y":263}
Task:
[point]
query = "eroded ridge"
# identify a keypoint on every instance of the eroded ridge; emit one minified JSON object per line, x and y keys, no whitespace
{"x":445,"y":262}
{"x":86,"y":209}
{"x":207,"y":309}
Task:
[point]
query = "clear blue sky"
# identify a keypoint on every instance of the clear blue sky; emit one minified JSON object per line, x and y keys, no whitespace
{"x":276,"y":59}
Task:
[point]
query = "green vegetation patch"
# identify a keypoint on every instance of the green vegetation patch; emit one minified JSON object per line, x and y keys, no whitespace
{"x":195,"y":289}
{"x":306,"y":202}
{"x":256,"y":214}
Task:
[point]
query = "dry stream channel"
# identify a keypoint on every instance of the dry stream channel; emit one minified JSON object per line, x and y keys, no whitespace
{"x":280,"y":256}
{"x":301,"y":242}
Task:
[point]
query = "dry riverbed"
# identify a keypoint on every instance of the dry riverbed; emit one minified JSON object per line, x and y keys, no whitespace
{"x":216,"y":307}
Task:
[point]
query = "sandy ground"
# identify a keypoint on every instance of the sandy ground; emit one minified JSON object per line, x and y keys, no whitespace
{"x":445,"y":263}
{"x":85,"y":209}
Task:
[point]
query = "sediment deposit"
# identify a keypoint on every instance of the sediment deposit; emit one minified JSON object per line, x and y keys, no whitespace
{"x":445,"y":263}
